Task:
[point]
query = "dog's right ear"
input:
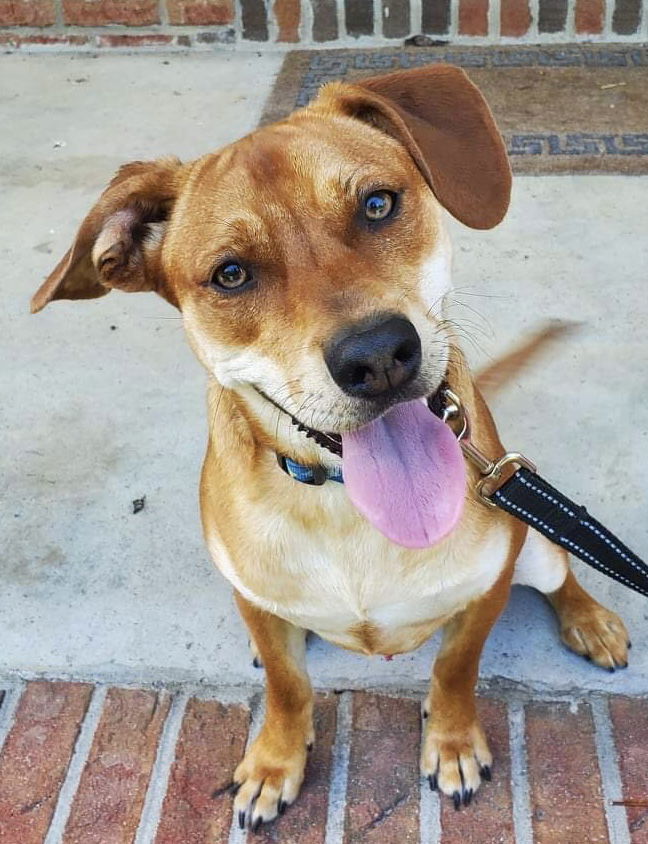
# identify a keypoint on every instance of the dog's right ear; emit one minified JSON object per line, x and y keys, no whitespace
{"x":118,"y":244}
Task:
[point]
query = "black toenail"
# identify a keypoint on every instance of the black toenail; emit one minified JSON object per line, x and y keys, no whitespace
{"x":611,"y":669}
{"x":309,"y":746}
{"x":281,"y":808}
{"x":241,"y":819}
{"x":434,"y":782}
{"x":456,"y":799}
{"x":485,"y":772}
{"x":587,"y":657}
{"x":629,"y":645}
{"x":468,"y":796}
{"x":256,"y":663}
{"x":623,"y":665}
{"x":425,"y":713}
{"x":257,"y":823}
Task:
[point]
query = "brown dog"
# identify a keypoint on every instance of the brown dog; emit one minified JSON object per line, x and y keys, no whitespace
{"x":311,"y":266}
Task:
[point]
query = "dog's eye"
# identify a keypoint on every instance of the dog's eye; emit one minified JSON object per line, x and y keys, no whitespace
{"x":379,"y":205}
{"x":229,"y":276}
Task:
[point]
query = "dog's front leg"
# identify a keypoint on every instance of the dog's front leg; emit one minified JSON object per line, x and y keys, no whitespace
{"x":271,"y":773}
{"x":455,"y":754}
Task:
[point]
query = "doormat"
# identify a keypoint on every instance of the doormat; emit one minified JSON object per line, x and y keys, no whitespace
{"x":576,"y":109}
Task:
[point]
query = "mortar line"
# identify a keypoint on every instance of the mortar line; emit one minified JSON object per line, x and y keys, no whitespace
{"x":159,"y":781}
{"x":378,"y":19}
{"x":453,"y":23}
{"x":257,"y":716}
{"x":336,"y":812}
{"x":616,"y":816}
{"x":416,"y":17}
{"x":12,"y":695}
{"x":609,"y":11}
{"x":307,"y":22}
{"x":494,"y":21}
{"x":570,"y":21}
{"x":519,"y":775}
{"x":534,"y":29}
{"x":77,"y":764}
{"x":163,"y":13}
{"x":340,"y":8}
{"x":429,"y":810}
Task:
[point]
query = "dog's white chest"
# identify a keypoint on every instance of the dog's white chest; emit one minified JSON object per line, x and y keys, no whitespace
{"x":356,"y":588}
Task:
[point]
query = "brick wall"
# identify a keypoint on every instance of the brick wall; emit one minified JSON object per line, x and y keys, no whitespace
{"x":79,"y":24}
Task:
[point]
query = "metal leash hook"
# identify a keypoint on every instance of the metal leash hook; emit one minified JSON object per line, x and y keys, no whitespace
{"x":491,"y":470}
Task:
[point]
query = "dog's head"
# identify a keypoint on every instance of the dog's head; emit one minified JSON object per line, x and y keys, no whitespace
{"x":309,"y":259}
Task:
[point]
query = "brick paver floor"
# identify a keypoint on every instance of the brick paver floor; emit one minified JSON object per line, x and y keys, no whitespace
{"x":81,"y":763}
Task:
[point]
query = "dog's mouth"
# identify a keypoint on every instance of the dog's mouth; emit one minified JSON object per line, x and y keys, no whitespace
{"x":404,"y":471}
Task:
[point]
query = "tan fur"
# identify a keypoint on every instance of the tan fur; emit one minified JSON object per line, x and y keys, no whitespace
{"x":285,"y":201}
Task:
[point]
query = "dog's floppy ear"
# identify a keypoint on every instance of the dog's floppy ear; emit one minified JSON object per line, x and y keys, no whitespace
{"x":448,"y":129}
{"x":118,"y":244}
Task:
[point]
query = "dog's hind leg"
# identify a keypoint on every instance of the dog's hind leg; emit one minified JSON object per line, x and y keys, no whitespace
{"x":586,"y":627}
{"x":271,"y":773}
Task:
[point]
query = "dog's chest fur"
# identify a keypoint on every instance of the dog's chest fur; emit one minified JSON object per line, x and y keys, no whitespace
{"x":330,"y":571}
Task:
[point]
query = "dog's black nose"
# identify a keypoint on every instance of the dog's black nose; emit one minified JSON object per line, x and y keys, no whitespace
{"x":374,"y":358}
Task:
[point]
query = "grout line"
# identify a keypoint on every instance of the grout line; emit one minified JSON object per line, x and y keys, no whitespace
{"x":378,"y":19}
{"x":163,"y":13}
{"x":257,"y":716}
{"x":152,"y":809}
{"x":335,"y":815}
{"x":616,"y":816}
{"x":416,"y":17}
{"x":519,"y":778}
{"x":534,"y":29}
{"x":453,"y":23}
{"x":75,"y":768}
{"x":306,"y":22}
{"x":341,"y":21}
{"x":429,"y":812}
{"x":494,"y":21}
{"x":607,"y":26}
{"x":10,"y":701}
{"x":570,"y":20}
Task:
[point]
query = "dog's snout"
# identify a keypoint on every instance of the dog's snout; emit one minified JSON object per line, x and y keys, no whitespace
{"x":371,"y":360}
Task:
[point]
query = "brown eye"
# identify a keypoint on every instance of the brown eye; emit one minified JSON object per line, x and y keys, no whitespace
{"x":229,"y":276}
{"x":379,"y":205}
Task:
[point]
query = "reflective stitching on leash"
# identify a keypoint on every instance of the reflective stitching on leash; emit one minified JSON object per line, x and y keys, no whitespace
{"x":613,"y":574}
{"x":525,"y":513}
{"x":546,"y":495}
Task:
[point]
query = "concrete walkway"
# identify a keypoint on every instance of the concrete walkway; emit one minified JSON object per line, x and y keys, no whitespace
{"x":102,"y":402}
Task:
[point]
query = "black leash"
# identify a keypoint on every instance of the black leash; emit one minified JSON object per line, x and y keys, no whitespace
{"x":528,"y":497}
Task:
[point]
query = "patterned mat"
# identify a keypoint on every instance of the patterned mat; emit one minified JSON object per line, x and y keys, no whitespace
{"x":576,"y":109}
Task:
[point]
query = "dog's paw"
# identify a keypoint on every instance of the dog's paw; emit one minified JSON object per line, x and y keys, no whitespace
{"x":597,"y":634}
{"x":455,"y":761}
{"x":257,"y":662}
{"x":269,"y":778}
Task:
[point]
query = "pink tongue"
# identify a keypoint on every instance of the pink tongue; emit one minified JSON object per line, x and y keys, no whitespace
{"x":405,"y":473}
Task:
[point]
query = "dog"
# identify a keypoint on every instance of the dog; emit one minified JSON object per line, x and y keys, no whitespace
{"x":311,"y":265}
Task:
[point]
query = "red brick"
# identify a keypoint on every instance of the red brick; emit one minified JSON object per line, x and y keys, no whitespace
{"x":27,"y":12}
{"x":287,"y":13}
{"x":36,"y":755}
{"x":110,"y":796}
{"x":200,"y":12}
{"x":305,"y":821}
{"x":473,"y":17}
{"x":490,"y":815}
{"x":630,"y":724}
{"x":197,"y":808}
{"x":383,"y":785}
{"x":515,"y":17}
{"x":564,"y":778}
{"x":589,"y":16}
{"x":125,"y":39}
{"x":100,"y":12}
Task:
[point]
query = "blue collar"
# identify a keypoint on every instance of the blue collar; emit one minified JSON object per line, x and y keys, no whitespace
{"x":312,"y":475}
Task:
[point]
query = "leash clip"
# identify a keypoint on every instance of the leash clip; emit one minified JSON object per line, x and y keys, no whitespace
{"x":456,"y":415}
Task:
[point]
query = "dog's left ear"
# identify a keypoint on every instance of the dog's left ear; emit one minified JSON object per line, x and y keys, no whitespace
{"x":448,"y":129}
